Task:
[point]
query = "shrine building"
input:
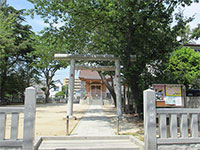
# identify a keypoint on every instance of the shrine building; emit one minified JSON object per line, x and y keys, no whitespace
{"x":95,"y":88}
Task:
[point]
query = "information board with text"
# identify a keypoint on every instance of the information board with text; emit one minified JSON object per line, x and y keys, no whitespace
{"x":169,"y":95}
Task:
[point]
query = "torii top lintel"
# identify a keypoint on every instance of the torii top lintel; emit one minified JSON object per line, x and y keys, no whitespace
{"x":97,"y":57}
{"x":97,"y":68}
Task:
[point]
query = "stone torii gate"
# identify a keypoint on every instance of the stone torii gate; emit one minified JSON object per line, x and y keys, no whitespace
{"x":75,"y":57}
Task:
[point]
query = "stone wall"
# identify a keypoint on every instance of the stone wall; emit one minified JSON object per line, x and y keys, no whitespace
{"x":10,"y":148}
{"x":192,"y":102}
{"x":180,"y":147}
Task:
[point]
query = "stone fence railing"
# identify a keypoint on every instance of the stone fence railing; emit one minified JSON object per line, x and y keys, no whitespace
{"x":27,"y":143}
{"x":176,"y":128}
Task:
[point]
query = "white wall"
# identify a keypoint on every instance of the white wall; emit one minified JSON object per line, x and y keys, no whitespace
{"x":53,"y":91}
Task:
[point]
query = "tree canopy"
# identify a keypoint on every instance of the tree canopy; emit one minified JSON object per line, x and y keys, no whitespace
{"x":196,"y":32}
{"x":46,"y":45}
{"x":122,"y":28}
{"x":184,"y":64}
{"x":15,"y":44}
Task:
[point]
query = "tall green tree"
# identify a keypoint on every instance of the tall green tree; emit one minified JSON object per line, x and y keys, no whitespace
{"x":184,"y":66}
{"x":122,"y":28}
{"x":45,"y":47}
{"x":14,"y":45}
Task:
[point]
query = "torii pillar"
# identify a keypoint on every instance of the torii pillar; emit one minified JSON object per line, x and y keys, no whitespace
{"x":71,"y":87}
{"x":118,"y":88}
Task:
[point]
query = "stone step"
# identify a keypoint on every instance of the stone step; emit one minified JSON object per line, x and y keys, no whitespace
{"x":88,"y":143}
{"x":97,"y":102}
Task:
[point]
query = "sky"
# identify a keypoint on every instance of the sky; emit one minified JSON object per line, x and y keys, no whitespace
{"x":38,"y":24}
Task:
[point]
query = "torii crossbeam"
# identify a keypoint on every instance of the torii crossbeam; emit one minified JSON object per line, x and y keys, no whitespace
{"x":96,"y":68}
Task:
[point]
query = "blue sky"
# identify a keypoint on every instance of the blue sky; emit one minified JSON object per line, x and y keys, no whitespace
{"x":38,"y":24}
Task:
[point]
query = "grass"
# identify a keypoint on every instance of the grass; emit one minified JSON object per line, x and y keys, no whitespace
{"x":137,"y":134}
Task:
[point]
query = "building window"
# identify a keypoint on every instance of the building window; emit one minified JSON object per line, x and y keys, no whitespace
{"x":56,"y":88}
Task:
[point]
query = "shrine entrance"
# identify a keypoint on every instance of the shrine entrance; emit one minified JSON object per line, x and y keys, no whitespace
{"x":96,"y":91}
{"x":75,"y":57}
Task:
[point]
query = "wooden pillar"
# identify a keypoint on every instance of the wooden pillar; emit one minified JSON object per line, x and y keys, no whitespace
{"x":118,"y":88}
{"x":71,"y":87}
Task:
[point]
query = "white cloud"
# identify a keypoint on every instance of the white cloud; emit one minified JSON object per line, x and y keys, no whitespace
{"x":40,"y":23}
{"x":194,"y":9}
{"x":58,"y":25}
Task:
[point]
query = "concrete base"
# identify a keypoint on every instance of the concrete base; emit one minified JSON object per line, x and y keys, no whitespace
{"x":108,"y":102}
{"x":82,"y":102}
{"x":97,"y":102}
{"x":89,"y":143}
{"x":89,"y":101}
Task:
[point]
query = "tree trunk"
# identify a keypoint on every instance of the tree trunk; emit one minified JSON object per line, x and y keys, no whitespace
{"x":136,"y":96}
{"x":124,"y":98}
{"x":3,"y":84}
{"x":109,"y":87}
{"x":47,"y":93}
{"x":3,"y":79}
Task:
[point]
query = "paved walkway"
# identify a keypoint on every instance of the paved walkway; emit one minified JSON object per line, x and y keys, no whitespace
{"x":93,"y":123}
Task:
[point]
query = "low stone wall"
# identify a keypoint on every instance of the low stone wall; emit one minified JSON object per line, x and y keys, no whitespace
{"x":10,"y":148}
{"x":179,"y":147}
{"x":192,"y":102}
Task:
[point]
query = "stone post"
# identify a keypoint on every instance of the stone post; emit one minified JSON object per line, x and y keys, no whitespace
{"x":118,"y":88}
{"x":71,"y":87}
{"x":101,"y":97}
{"x":149,"y":120}
{"x":29,"y":118}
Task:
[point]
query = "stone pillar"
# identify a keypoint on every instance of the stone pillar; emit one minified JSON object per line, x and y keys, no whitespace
{"x":118,"y":88}
{"x":29,"y":118}
{"x":149,"y":120}
{"x":71,"y":87}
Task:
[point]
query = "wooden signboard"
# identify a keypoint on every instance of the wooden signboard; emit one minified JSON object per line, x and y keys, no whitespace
{"x":169,"y":95}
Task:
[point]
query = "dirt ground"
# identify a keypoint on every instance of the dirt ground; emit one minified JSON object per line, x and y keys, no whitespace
{"x":50,"y":119}
{"x":129,"y":125}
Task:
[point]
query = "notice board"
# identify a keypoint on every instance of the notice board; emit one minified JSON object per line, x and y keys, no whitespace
{"x":169,"y":95}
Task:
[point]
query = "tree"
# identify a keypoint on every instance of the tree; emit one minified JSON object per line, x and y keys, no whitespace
{"x":15,"y":43}
{"x":185,"y":35}
{"x":60,"y":94}
{"x":65,"y":90}
{"x":45,"y":47}
{"x":196,"y":32}
{"x":184,"y":65}
{"x":122,"y":28}
{"x":109,"y":87}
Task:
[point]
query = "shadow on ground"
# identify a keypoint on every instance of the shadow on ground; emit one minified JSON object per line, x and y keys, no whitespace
{"x":129,"y":125}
